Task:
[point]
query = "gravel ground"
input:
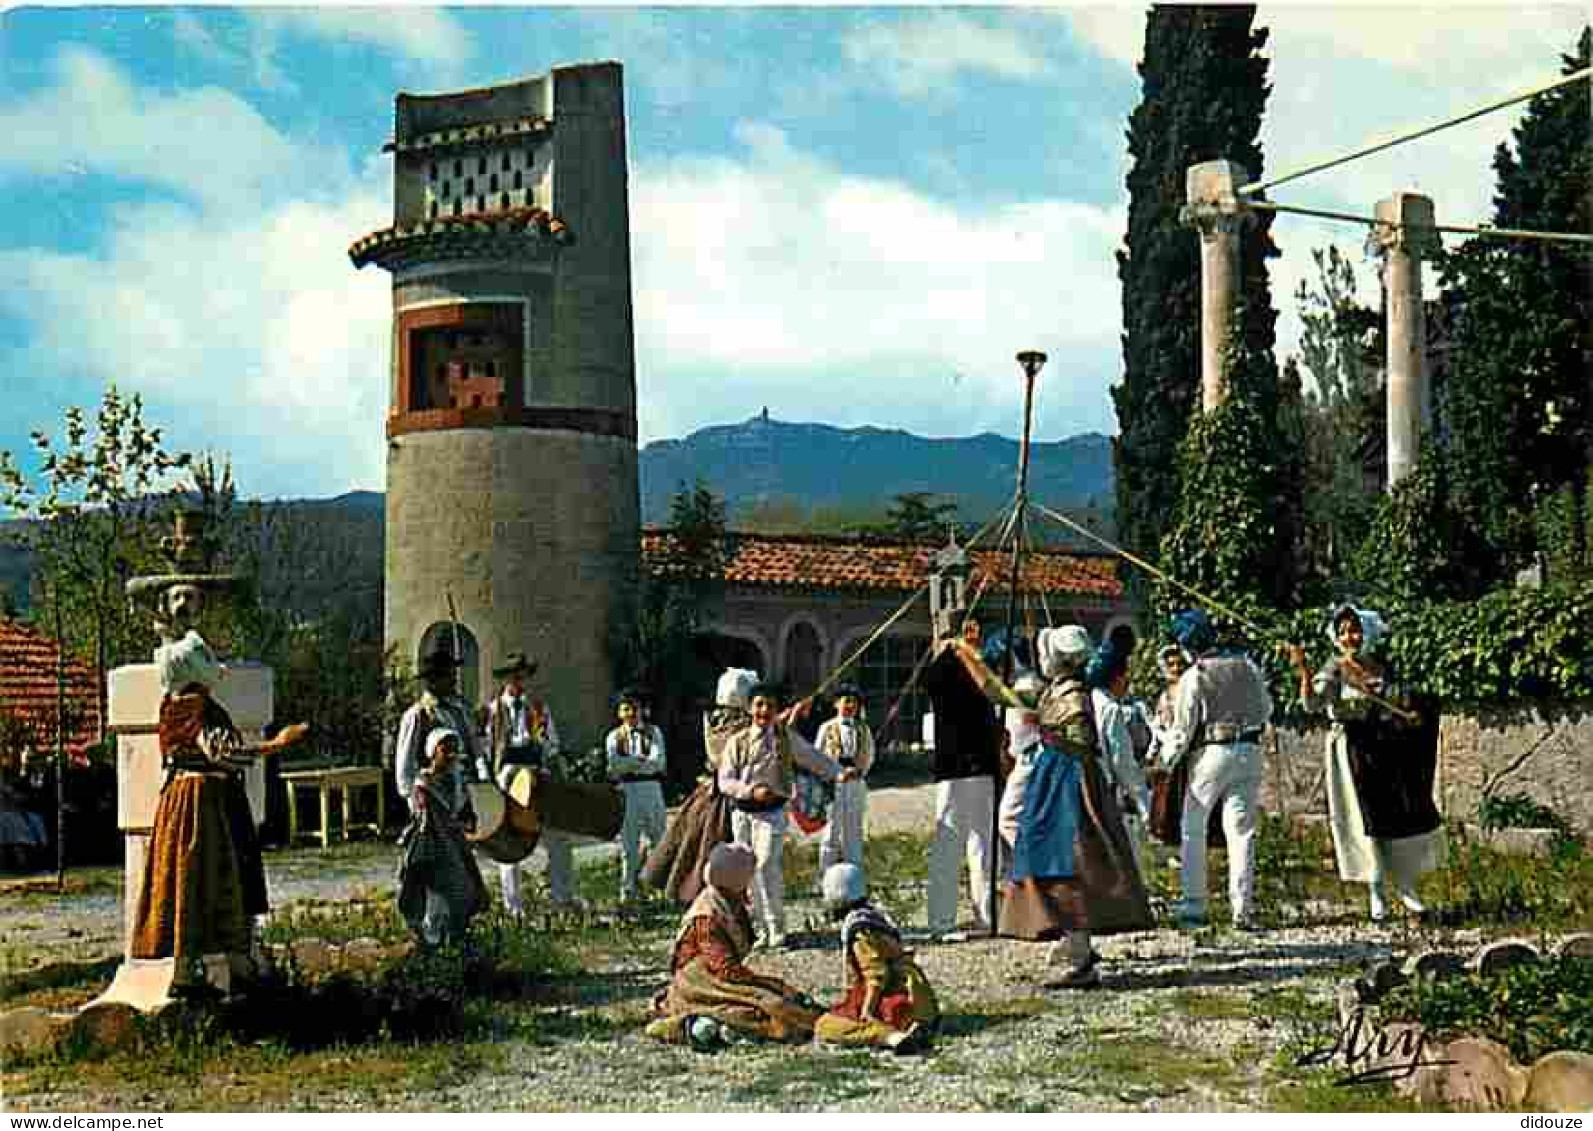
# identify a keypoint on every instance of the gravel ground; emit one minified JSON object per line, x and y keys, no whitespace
{"x":1184,"y":1021}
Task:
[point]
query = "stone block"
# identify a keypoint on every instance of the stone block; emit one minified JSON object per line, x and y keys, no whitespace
{"x":363,"y":955}
{"x":1215,"y":184}
{"x":1505,"y":953}
{"x":313,"y":957}
{"x":1380,"y":978}
{"x":106,"y":1024}
{"x":1537,"y":843}
{"x":1561,"y":1082}
{"x":1407,"y":220}
{"x":1482,"y":1076}
{"x":1433,"y":964}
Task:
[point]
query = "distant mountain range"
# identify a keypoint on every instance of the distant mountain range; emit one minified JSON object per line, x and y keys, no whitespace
{"x":756,"y":466}
{"x":762,"y":460}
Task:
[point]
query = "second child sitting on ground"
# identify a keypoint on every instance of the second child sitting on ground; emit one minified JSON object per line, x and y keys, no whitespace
{"x":889,"y":1003}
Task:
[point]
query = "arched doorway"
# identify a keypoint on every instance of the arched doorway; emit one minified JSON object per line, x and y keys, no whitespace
{"x":443,"y":633}
{"x":804,"y":659}
{"x":719,"y":651}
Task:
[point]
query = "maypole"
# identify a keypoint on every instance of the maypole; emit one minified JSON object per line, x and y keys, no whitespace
{"x":1032,"y":362}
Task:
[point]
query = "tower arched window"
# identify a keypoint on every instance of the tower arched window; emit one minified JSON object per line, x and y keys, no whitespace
{"x":457,"y":202}
{"x":505,"y":162}
{"x":470,"y":186}
{"x":492,"y":184}
{"x":503,"y":201}
{"x":445,"y":190}
{"x":481,"y":204}
{"x":459,"y":168}
{"x":482,"y":167}
{"x":519,"y":180}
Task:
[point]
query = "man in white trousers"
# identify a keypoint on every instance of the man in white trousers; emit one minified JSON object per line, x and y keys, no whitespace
{"x":635,"y":751}
{"x":1220,"y":708}
{"x":967,"y":745}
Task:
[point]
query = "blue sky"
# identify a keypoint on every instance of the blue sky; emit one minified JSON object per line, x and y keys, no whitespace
{"x":848,"y":215}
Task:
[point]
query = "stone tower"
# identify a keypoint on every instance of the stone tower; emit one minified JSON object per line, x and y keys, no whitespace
{"x":511,"y":431}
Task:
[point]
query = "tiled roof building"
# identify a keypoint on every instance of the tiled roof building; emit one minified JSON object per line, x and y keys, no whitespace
{"x":28,"y":689}
{"x":794,"y":607}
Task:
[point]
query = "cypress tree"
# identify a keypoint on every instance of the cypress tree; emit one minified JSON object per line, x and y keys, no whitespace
{"x":1516,"y":403}
{"x":1204,"y":90}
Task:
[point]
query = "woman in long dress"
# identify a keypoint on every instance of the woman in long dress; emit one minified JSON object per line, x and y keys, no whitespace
{"x":675,"y":867}
{"x":1381,"y":760}
{"x":1073,"y":868}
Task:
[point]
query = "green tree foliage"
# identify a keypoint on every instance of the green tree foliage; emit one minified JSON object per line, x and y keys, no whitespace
{"x":1204,"y":90}
{"x":97,"y":511}
{"x":654,"y":642}
{"x":332,"y":670}
{"x":1517,"y":405}
{"x":1340,"y":432}
{"x":913,"y":516}
{"x":1418,"y":545}
{"x":1222,"y":538}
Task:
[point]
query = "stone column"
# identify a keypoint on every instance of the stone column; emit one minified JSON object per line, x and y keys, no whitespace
{"x":1403,"y":235}
{"x":1215,"y":208}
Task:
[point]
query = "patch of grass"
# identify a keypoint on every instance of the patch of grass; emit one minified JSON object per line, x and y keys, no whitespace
{"x":966,"y":1019}
{"x":22,"y":987}
{"x":800,"y":1076}
{"x":1315,"y":1091}
{"x":1137,"y":1068}
{"x":1213,"y":1006}
{"x":1480,"y":886}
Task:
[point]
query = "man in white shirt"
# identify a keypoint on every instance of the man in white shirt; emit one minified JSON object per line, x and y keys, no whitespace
{"x":1220,"y":709}
{"x":636,"y":762}
{"x":523,"y":738}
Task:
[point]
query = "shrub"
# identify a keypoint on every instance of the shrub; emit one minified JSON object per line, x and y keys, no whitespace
{"x":1531,"y":1009}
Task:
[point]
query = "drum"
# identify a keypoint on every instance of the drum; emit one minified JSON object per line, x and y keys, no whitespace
{"x":506,"y":830}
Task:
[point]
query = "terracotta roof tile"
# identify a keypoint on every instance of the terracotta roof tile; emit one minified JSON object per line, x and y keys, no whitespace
{"x":27,"y":687}
{"x":428,"y":234}
{"x":824,"y":562}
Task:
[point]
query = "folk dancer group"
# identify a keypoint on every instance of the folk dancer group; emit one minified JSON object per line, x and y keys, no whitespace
{"x":1081,"y":793}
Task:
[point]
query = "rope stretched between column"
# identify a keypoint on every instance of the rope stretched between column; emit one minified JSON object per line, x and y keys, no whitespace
{"x":1454,"y":229}
{"x":1377,"y":147}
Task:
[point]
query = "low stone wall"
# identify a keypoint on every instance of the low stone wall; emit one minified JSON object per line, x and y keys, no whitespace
{"x":1544,"y":751}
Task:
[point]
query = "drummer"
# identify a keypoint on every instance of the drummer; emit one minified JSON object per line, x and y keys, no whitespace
{"x":523,"y":739}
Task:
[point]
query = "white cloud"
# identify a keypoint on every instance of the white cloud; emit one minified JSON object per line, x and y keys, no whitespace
{"x":1115,"y":31}
{"x":775,"y":268}
{"x":429,"y":36}
{"x":257,"y":330}
{"x":236,"y":305}
{"x":206,"y":143}
{"x":920,"y":55}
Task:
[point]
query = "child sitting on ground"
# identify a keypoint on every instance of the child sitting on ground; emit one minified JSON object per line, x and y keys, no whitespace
{"x":888,"y":1003}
